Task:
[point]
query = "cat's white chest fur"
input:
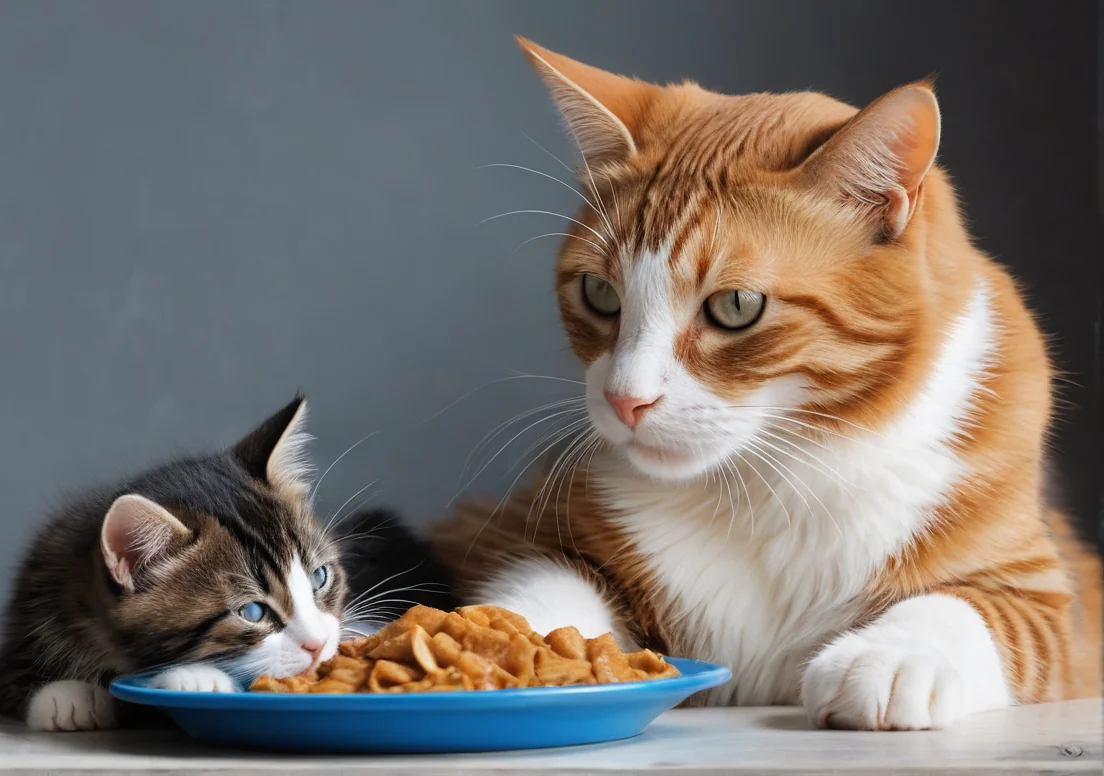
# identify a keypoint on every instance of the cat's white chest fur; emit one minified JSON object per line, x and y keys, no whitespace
{"x":770,"y":562}
{"x":760,"y":596}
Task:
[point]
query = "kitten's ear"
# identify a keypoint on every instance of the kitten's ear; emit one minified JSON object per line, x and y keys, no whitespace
{"x":601,"y":109}
{"x":880,"y":157}
{"x":276,"y":451}
{"x":136,"y":532}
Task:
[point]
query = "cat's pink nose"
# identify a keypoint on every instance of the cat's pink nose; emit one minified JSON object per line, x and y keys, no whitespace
{"x":314,"y":647}
{"x":630,"y":408}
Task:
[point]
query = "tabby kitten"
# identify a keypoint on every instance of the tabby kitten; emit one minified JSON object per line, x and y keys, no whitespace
{"x":818,"y":416}
{"x":201,"y":569}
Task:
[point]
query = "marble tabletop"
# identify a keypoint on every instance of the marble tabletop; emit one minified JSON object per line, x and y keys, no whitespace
{"x":1047,"y":738}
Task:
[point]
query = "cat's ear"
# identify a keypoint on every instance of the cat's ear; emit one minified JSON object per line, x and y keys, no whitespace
{"x":602,"y":110}
{"x":878,"y":160}
{"x":276,"y":451}
{"x":135,"y":533}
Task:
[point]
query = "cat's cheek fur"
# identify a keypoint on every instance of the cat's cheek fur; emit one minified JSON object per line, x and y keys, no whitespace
{"x":281,"y":655}
{"x":71,"y":705}
{"x":921,"y":665}
{"x":551,"y":596}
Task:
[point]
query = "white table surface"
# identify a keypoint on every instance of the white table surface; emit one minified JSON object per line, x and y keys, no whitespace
{"x":1056,"y":738}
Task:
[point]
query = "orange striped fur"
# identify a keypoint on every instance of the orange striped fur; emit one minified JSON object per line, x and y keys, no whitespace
{"x":856,"y":242}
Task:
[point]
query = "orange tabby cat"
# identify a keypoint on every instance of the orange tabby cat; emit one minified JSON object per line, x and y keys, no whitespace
{"x":818,"y":413}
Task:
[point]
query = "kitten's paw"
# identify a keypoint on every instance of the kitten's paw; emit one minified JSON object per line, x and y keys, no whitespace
{"x":858,"y":684}
{"x":71,"y":705}
{"x":194,"y":678}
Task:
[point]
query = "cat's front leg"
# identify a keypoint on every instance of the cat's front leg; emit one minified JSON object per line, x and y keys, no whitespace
{"x":71,"y":705}
{"x":552,"y":595}
{"x":194,"y":678}
{"x":921,"y":665}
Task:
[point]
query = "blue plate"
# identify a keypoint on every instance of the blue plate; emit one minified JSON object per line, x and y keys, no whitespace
{"x":426,"y":722}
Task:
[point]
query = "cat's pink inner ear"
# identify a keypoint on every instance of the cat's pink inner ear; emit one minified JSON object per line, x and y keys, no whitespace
{"x":135,"y":532}
{"x":880,"y":158}
{"x":602,"y":110}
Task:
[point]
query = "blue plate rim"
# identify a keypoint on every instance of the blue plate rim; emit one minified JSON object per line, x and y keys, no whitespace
{"x":702,"y":675}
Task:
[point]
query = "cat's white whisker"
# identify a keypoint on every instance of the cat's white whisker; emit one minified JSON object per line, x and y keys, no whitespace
{"x":353,"y":446}
{"x":512,"y":439}
{"x":580,"y":194}
{"x":570,"y":461}
{"x":523,"y":243}
{"x":811,"y":460}
{"x":490,"y":435}
{"x":326,"y":527}
{"x":489,"y":383}
{"x":531,"y":211}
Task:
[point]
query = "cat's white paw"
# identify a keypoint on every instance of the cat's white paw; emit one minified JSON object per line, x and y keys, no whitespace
{"x":71,"y":705}
{"x":194,"y":678}
{"x":859,"y":684}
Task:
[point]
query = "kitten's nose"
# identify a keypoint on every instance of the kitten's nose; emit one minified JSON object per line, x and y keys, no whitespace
{"x":630,"y":408}
{"x":314,"y":647}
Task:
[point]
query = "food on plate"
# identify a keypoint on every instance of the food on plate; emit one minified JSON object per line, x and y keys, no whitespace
{"x":471,"y":648}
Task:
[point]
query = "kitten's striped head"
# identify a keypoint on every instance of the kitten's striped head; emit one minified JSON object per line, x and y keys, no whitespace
{"x":220,"y":557}
{"x":740,"y":259}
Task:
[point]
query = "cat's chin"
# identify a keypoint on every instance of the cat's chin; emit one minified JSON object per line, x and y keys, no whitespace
{"x":665,"y":464}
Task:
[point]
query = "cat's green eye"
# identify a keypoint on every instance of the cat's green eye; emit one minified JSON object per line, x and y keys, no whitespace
{"x":734,"y":310}
{"x":320,"y":577}
{"x":254,"y":611}
{"x":601,"y":296}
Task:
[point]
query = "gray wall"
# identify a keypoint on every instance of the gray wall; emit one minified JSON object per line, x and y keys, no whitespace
{"x":207,"y":205}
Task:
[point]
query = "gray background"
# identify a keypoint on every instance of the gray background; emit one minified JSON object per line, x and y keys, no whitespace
{"x":205,"y":206}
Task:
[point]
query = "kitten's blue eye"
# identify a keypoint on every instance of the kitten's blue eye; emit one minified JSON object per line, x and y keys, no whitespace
{"x":252,"y":612}
{"x":319,"y":578}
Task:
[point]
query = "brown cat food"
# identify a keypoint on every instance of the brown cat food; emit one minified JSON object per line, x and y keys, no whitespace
{"x":471,"y":648}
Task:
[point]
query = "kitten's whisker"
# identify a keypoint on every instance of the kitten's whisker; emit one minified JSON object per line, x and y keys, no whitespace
{"x":382,"y":582}
{"x":329,"y":522}
{"x":352,"y":447}
{"x":422,"y":587}
{"x":425,"y":587}
{"x":377,"y":605}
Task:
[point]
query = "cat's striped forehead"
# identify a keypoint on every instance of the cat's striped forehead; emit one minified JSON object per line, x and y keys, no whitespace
{"x":676,"y":224}
{"x":252,"y":543}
